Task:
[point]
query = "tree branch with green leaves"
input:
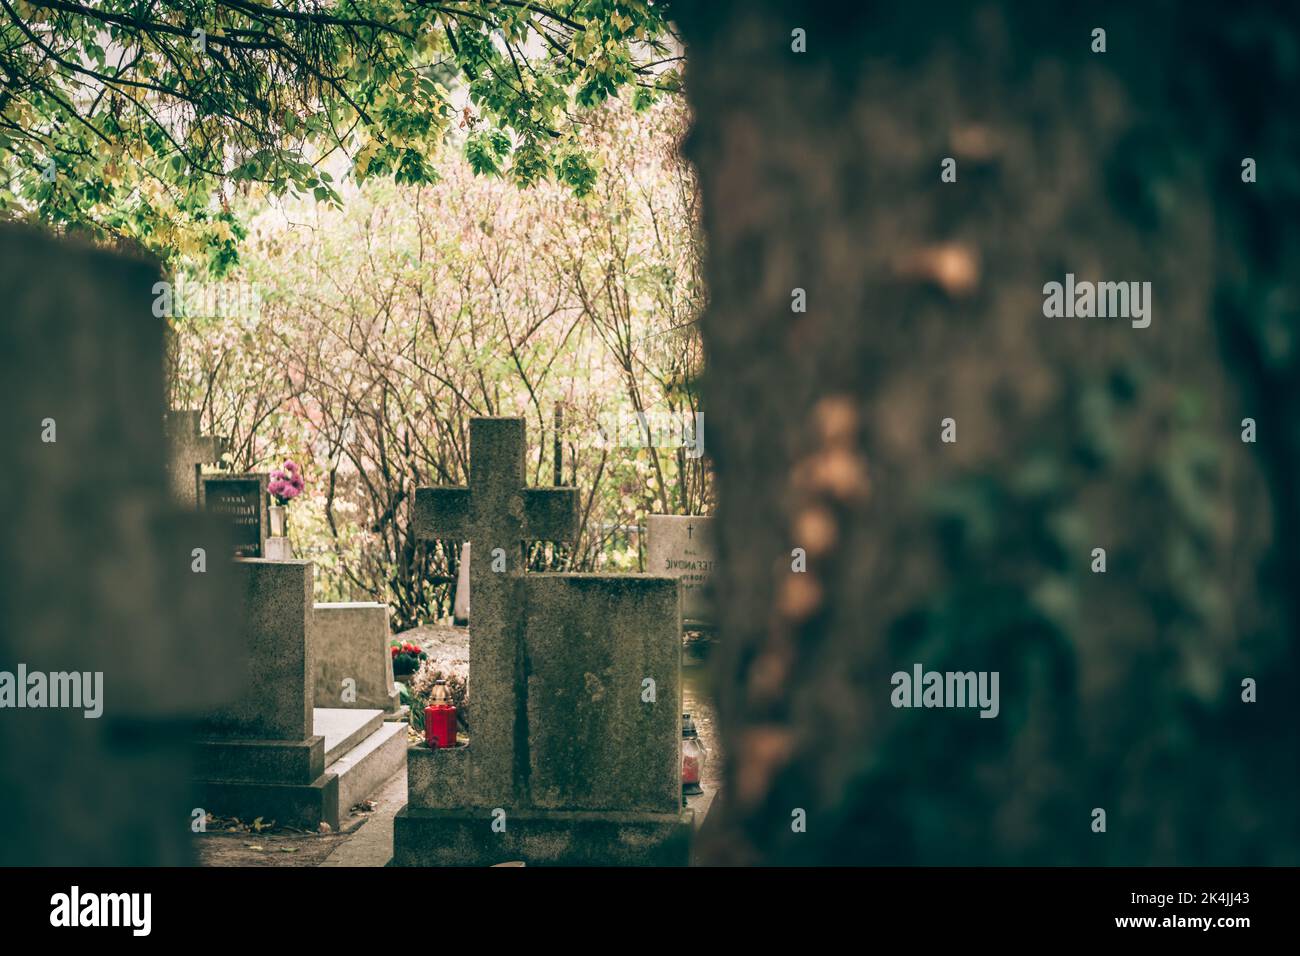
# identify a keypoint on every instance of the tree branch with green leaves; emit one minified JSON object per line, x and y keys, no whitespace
{"x":138,"y":120}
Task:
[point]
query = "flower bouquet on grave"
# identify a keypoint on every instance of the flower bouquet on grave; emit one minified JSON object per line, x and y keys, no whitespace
{"x":286,"y":484}
{"x":407,"y":658}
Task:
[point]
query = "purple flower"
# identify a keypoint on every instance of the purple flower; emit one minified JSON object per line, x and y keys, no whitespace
{"x":286,"y":483}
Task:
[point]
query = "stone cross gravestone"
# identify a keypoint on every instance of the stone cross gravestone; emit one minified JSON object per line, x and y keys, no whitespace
{"x":241,"y":501}
{"x":574,"y":755}
{"x":187,"y":452}
{"x":683,"y":547}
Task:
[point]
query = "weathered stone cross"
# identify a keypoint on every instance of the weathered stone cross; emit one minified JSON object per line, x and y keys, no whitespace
{"x":187,"y":451}
{"x":498,"y":515}
{"x":574,"y":692}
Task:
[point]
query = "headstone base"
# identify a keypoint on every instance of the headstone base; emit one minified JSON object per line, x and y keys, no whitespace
{"x":424,"y":837}
{"x":365,"y":768}
{"x":280,"y":780}
{"x":361,"y":749}
{"x":302,"y":783}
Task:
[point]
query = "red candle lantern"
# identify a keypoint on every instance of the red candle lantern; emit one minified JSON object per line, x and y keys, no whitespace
{"x":694,"y":755}
{"x":440,"y":718}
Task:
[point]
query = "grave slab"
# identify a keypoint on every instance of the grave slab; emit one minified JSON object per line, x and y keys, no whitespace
{"x":365,"y":768}
{"x":361,"y":751}
{"x":593,"y":641}
{"x":344,"y":729}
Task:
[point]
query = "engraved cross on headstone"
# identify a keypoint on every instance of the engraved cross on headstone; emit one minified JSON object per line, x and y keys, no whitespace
{"x":187,"y":452}
{"x":498,"y":515}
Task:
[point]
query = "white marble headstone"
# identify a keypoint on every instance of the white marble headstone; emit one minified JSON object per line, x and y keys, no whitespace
{"x":682,"y":546}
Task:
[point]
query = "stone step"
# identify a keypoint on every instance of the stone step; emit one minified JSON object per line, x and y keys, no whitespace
{"x":344,"y":728}
{"x":365,"y":768}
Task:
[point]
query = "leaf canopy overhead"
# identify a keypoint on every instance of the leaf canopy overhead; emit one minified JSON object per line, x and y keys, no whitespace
{"x":134,"y":119}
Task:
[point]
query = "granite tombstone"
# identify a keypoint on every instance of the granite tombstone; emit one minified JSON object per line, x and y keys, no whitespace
{"x":241,"y":501}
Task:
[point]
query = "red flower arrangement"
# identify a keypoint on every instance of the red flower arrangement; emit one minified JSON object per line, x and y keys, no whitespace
{"x":406,"y":657}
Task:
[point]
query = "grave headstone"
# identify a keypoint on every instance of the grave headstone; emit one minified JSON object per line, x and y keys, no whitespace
{"x":241,"y":501}
{"x":683,"y":547}
{"x":353,"y":665}
{"x":574,"y":753}
{"x":187,"y":452}
{"x":260,"y":755}
{"x":100,"y":571}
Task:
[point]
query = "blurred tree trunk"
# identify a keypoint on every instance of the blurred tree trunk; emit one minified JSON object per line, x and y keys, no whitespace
{"x":1122,"y":691}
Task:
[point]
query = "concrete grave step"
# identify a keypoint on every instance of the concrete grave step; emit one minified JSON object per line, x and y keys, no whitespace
{"x":343,"y":728}
{"x":363,"y":769}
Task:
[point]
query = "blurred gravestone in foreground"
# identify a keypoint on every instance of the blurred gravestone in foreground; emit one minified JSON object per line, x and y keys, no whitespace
{"x":820,"y":171}
{"x":96,"y":567}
